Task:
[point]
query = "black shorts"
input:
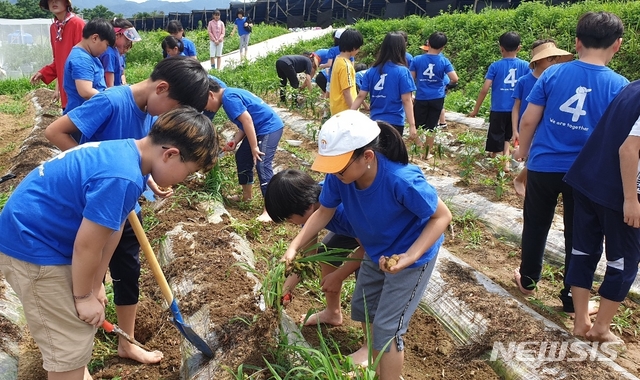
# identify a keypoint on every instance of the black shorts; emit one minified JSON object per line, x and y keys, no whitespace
{"x":427,"y":113}
{"x":124,"y":267}
{"x":321,"y":81}
{"x":499,"y":131}
{"x":337,"y":241}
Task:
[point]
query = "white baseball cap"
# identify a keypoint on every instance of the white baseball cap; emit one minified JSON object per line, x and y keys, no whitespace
{"x":338,"y":33}
{"x":340,"y":136}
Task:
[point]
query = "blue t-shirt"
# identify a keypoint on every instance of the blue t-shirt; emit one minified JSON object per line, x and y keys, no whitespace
{"x":409,"y":58}
{"x":596,"y":170}
{"x":189,"y":48}
{"x":504,"y":75}
{"x":99,"y":181}
{"x":430,"y":71}
{"x":521,"y":91}
{"x":81,"y":65}
{"x":111,"y":115}
{"x":359,"y":77}
{"x":391,"y":213}
{"x":240,"y":24}
{"x":574,"y":96}
{"x":322,"y":54}
{"x":339,"y":224}
{"x":236,"y":101}
{"x":386,"y":90}
{"x":112,"y":63}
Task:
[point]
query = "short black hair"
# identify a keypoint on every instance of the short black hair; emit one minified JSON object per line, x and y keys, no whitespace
{"x":537,"y":43}
{"x":121,"y":23}
{"x":171,"y":42}
{"x":174,"y":26}
{"x":510,"y":41}
{"x":102,"y":28}
{"x":437,"y":40}
{"x":350,"y":40}
{"x":214,"y":85}
{"x":290,"y":192}
{"x":360,"y":66}
{"x":240,"y":12}
{"x":216,"y":13}
{"x":188,"y":80}
{"x":599,"y":30}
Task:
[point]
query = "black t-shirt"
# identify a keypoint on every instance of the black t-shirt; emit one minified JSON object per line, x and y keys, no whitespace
{"x":300,"y":63}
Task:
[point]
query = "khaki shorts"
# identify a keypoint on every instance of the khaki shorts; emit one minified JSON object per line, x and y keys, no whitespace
{"x":64,"y":340}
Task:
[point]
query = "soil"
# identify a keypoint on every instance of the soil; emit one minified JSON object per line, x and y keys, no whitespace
{"x":218,"y":296}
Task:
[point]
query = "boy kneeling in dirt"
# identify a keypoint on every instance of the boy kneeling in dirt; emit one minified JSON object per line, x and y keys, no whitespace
{"x":65,"y":220}
{"x":292,"y":195}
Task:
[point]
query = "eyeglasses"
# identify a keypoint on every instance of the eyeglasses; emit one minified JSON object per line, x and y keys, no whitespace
{"x":181,"y":156}
{"x":341,"y":173}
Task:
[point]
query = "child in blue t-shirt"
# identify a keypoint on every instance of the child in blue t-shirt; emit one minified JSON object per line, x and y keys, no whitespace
{"x":260,"y":129}
{"x":389,"y":86}
{"x":430,"y":70}
{"x":111,"y":59}
{"x":604,"y":178}
{"x":564,"y":107}
{"x":501,"y":78}
{"x":83,"y":73}
{"x":64,"y":219}
{"x":544,"y":53}
{"x":174,"y":27}
{"x":243,"y":26}
{"x":128,"y":112}
{"x":292,"y":195}
{"x":370,"y":175}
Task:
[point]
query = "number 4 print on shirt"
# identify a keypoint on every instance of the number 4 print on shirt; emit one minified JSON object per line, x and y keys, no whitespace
{"x":380,"y":85}
{"x":511,"y":79}
{"x":578,"y":98}
{"x":429,"y":71}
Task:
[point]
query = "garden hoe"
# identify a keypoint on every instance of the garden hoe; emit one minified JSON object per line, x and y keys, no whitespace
{"x":177,"y":320}
{"x":109,"y":327}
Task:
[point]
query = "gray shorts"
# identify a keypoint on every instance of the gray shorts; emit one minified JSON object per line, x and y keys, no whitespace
{"x":391,"y":300}
{"x":244,"y":41}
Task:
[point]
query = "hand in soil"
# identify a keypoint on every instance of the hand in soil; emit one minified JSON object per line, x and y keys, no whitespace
{"x":133,"y":352}
{"x":322,"y":317}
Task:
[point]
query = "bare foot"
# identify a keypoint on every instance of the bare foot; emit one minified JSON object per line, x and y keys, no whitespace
{"x":133,"y":352}
{"x":517,"y":280}
{"x":519,"y":186}
{"x":361,"y":357}
{"x":607,"y":336}
{"x":264,"y":218}
{"x":593,"y":310}
{"x":323,"y":317}
{"x":581,"y":329}
{"x":237,"y":198}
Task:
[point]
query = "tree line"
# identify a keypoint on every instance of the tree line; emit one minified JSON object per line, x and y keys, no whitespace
{"x":25,"y":9}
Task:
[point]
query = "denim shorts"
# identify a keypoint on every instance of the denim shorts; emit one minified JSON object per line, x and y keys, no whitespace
{"x":244,"y":160}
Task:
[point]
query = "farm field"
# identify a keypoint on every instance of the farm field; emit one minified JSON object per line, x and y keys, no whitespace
{"x":222,"y":263}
